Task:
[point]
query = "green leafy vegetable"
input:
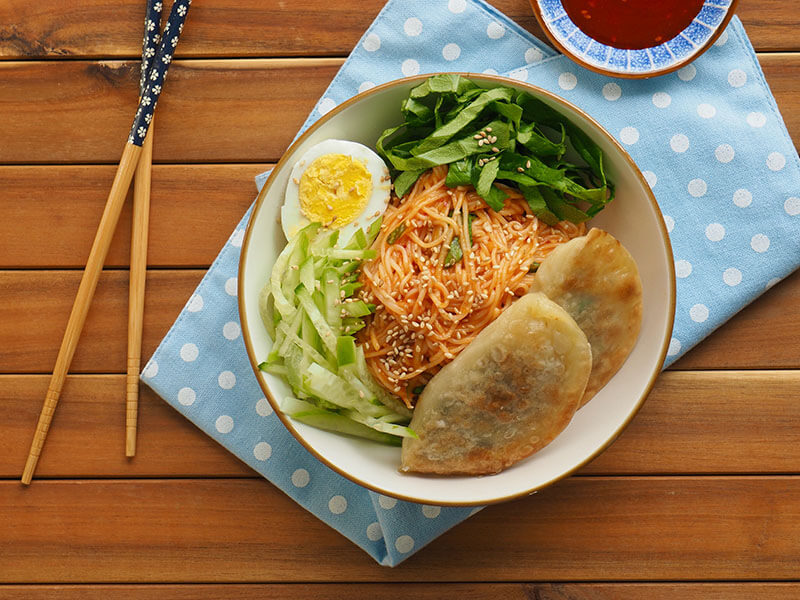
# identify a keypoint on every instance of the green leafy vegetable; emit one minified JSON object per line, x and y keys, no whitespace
{"x":495,"y":135}
{"x":454,"y":254}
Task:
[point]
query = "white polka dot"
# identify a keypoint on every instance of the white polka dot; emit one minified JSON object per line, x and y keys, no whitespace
{"x":662,"y":99}
{"x":792,"y":206}
{"x":386,"y":502}
{"x":431,"y":512}
{"x":374,"y":531}
{"x":412,"y":26}
{"x":698,"y":313}
{"x":737,"y":78}
{"x":189,"y":352}
{"x":231,"y":330}
{"x":456,"y":6}
{"x":687,"y":73}
{"x":724,"y":153}
{"x":732,"y":276}
{"x":629,"y":135}
{"x":669,"y":222}
{"x":230,"y":286}
{"x":533,"y":55}
{"x":263,"y":407}
{"x":337,"y":505}
{"x":722,"y":39}
{"x":651,"y":178}
{"x":679,"y":142}
{"x":195,"y":303}
{"x":683,"y":268}
{"x":759,"y":242}
{"x":186,"y":396}
{"x":490,"y":72}
{"x":372,"y":43}
{"x":326,"y":105}
{"x":697,"y":188}
{"x":715,"y":232}
{"x":776,"y":161}
{"x":742,"y":198}
{"x":706,"y":111}
{"x":495,"y":31}
{"x":150,"y":370}
{"x":612,"y":92}
{"x":519,"y":74}
{"x":567,"y":81}
{"x":365,"y":85}
{"x":674,"y":347}
{"x":300,"y":478}
{"x":451,"y":51}
{"x":262,"y":451}
{"x":409,"y":67}
{"x":237,"y":238}
{"x":404,"y":544}
{"x":772,"y":282}
{"x":226,"y":380}
{"x":756,"y":119}
{"x":224,"y":424}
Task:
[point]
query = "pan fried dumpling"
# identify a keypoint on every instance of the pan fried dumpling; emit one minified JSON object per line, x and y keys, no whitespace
{"x":595,"y":279}
{"x":512,"y":390}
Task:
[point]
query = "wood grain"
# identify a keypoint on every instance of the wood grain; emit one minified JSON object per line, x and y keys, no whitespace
{"x":92,"y":28}
{"x":34,"y":306}
{"x":233,"y":530}
{"x":211,"y":110}
{"x":50,"y":213}
{"x":692,"y":423}
{"x":417,"y":591}
{"x":66,"y":112}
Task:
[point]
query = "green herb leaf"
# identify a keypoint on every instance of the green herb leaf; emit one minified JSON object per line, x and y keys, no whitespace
{"x":454,"y":254}
{"x":396,"y":233}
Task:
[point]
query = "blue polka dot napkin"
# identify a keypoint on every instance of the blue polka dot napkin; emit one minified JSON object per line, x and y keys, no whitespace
{"x":709,"y":139}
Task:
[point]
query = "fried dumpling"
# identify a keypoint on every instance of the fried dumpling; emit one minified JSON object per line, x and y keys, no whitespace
{"x":512,"y":390}
{"x":595,"y":279}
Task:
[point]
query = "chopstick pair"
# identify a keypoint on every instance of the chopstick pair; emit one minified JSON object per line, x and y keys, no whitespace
{"x":131,"y":155}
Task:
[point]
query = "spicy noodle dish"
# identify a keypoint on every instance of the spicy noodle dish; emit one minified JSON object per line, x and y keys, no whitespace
{"x":443,"y":291}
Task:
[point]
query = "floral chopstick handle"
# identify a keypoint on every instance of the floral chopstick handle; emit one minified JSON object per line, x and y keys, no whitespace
{"x":158,"y":72}
{"x":152,"y":35}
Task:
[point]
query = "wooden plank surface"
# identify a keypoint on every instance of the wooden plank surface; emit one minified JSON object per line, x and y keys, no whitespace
{"x":63,"y":112}
{"x":692,"y":423}
{"x":50,"y":213}
{"x":93,"y":28}
{"x":416,"y":591}
{"x":593,"y":529}
{"x":35,"y":305}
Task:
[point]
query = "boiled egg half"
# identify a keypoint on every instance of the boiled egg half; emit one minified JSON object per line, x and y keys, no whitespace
{"x":343,"y":185}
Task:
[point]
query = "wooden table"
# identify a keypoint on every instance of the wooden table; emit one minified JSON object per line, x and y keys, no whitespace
{"x":700,"y":498}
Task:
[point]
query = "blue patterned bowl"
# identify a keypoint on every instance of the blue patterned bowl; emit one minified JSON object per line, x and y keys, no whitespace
{"x":647,"y":62}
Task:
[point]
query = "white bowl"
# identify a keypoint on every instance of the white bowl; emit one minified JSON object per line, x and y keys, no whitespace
{"x":633,"y":217}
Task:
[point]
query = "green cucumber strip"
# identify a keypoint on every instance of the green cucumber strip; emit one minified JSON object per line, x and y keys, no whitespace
{"x":325,"y":332}
{"x":345,"y":350}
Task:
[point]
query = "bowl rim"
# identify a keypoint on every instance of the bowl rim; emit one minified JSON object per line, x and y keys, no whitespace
{"x":245,"y":327}
{"x":537,"y":12}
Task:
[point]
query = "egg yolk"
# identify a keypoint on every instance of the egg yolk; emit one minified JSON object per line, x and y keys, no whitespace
{"x":334,"y":190}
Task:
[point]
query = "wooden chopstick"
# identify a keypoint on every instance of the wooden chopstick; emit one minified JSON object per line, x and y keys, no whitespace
{"x":105,"y":230}
{"x":139,"y":230}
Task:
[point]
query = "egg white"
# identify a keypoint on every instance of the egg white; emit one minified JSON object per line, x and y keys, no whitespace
{"x":292,"y":217}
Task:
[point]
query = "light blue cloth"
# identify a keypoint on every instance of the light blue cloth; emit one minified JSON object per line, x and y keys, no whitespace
{"x":709,"y":139}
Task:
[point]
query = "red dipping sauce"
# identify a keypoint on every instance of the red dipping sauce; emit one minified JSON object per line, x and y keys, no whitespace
{"x":632,"y":24}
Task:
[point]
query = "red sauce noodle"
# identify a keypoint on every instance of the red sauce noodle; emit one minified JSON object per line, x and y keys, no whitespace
{"x":632,"y":24}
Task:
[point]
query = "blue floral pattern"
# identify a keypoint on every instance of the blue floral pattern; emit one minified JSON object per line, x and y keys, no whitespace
{"x":157,"y":49}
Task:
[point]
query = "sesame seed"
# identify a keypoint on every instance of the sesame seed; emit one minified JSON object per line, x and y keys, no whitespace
{"x":294,"y":267}
{"x":481,"y":142}
{"x":520,"y":169}
{"x":477,"y":136}
{"x":528,"y":165}
{"x":495,"y":149}
{"x":295,"y":180}
{"x":489,"y":129}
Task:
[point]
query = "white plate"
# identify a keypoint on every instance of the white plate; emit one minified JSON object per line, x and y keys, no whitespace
{"x":633,"y":218}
